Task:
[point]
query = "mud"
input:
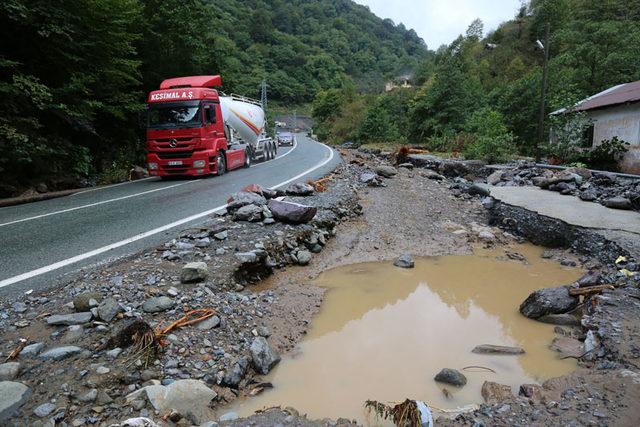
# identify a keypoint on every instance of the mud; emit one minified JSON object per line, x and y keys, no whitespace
{"x":383,"y":333}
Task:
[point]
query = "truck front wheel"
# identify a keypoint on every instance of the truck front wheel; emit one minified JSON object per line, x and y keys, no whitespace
{"x":221,"y":164}
{"x":247,"y":158}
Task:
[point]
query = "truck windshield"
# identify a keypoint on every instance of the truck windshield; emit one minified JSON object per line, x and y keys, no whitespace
{"x":174,"y":115}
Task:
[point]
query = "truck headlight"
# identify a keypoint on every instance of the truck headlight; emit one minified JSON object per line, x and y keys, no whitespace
{"x":199,"y":164}
{"x":153,"y":166}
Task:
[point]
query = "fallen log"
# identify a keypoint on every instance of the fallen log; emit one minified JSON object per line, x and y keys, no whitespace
{"x":590,"y":290}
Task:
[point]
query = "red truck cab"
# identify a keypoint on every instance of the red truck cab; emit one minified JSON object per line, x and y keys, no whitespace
{"x":185,"y":130}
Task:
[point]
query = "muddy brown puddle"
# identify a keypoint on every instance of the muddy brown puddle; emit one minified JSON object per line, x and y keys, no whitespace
{"x":383,"y":333}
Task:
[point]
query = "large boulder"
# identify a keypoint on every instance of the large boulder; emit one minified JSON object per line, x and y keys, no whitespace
{"x":190,"y":398}
{"x":69,"y":319}
{"x":12,"y":396}
{"x":451,"y":376}
{"x":86,"y":301}
{"x":59,"y":353}
{"x":157,"y":304}
{"x":291,"y":212}
{"x":263,"y":356}
{"x":244,"y":198}
{"x":548,"y":301}
{"x":236,"y":373}
{"x":9,"y":371}
{"x":194,"y":272}
{"x":618,"y":203}
{"x":299,"y":189}
{"x":251,"y":213}
{"x":386,"y":171}
{"x":494,"y":392}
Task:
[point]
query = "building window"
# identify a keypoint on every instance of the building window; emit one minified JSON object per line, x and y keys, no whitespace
{"x":587,"y":137}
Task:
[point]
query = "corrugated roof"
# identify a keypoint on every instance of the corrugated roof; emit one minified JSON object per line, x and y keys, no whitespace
{"x":621,"y":94}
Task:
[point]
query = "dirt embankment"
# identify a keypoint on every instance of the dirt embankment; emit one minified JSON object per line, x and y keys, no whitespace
{"x":363,"y":216}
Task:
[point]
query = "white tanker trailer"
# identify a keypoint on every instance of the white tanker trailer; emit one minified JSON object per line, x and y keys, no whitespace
{"x":194,"y":130}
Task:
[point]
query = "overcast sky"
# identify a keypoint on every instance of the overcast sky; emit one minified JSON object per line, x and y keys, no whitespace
{"x":441,"y":21}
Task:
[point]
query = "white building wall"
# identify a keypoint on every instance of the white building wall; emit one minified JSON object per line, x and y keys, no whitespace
{"x":624,"y":123}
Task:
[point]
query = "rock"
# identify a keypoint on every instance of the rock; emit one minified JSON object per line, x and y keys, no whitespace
{"x":247,"y":257}
{"x":532,"y":391}
{"x":228,"y":416}
{"x":591,"y":278}
{"x":194,"y":272}
{"x":495,"y":177}
{"x":44,"y":410}
{"x":221,"y":235}
{"x":567,"y":346}
{"x":406,"y":166}
{"x":385,"y":171}
{"x":19,"y":307}
{"x":429,"y":174}
{"x":187,"y":397}
{"x":83,"y":302}
{"x":254,"y":188}
{"x":548,"y":301}
{"x":157,"y":304}
{"x":583,"y":173}
{"x":9,"y":371}
{"x":496,"y":349}
{"x":404,"y":261}
{"x":102,"y":370}
{"x":114,"y":353}
{"x":244,"y":198}
{"x":59,"y":353}
{"x":236,"y":373}
{"x":207,"y":324}
{"x":560,"y":319}
{"x":109,"y":309}
{"x":89,"y":396}
{"x":618,"y":203}
{"x":451,"y":376}
{"x":588,"y":195}
{"x":103,"y":398}
{"x":251,"y":213}
{"x":486,"y":236}
{"x":12,"y":396}
{"x":205,"y":242}
{"x":69,"y":319}
{"x":479,"y":190}
{"x":263,"y":356}
{"x":291,"y":212}
{"x":299,"y":189}
{"x":304,"y":257}
{"x":32,"y":350}
{"x":371,"y":179}
{"x":494,"y":392}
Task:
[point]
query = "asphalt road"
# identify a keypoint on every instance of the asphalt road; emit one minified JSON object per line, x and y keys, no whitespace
{"x":42,"y":242}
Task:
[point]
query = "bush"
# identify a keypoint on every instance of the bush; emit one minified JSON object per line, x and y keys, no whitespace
{"x":490,"y":139}
{"x":606,"y":155}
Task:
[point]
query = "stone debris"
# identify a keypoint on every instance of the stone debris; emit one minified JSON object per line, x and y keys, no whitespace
{"x":291,"y":212}
{"x":404,"y":261}
{"x":452,"y":377}
{"x":263,"y":356}
{"x":194,"y":272}
{"x":157,"y":304}
{"x":69,"y":319}
{"x":497,"y":349}
{"x":13,"y":396}
{"x":9,"y":371}
{"x":493,"y":392}
{"x":548,"y":301}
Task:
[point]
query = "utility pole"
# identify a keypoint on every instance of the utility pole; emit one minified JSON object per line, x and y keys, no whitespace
{"x":543,"y":91}
{"x":263,"y":94}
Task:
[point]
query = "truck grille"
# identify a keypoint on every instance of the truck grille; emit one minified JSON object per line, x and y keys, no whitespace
{"x":174,"y":154}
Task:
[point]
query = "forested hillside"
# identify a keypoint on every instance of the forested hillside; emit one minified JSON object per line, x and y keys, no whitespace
{"x":480,"y":95}
{"x":74,"y":73}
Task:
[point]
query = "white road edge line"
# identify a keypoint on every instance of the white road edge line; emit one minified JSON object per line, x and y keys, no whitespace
{"x":104,"y":187}
{"x":77,"y":258}
{"x":95,"y":204}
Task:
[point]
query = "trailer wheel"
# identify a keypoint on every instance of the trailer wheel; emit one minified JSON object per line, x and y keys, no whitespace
{"x":275,"y":150}
{"x":221,"y":164}
{"x":247,"y":158}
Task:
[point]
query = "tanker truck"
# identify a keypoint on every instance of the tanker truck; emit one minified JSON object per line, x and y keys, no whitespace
{"x":194,"y":130}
